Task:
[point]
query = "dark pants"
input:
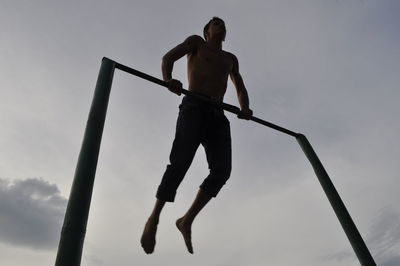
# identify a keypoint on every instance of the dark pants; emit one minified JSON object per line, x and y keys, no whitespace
{"x":198,"y":123}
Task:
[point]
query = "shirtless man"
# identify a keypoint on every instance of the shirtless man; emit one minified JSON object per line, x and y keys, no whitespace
{"x":199,"y":123}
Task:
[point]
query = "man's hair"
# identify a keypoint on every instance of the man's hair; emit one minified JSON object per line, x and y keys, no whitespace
{"x":208,"y":25}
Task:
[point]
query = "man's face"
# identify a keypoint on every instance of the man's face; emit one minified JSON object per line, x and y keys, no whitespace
{"x":216,"y":28}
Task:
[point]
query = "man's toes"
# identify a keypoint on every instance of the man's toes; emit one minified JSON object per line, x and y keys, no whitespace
{"x":148,"y":247}
{"x":190,"y":248}
{"x":148,"y":250}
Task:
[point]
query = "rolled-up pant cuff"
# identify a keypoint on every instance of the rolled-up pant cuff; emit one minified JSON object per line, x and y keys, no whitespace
{"x":165,"y":195}
{"x":212,"y":188}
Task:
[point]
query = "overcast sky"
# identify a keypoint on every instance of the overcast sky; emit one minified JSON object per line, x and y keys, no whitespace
{"x":327,"y":69}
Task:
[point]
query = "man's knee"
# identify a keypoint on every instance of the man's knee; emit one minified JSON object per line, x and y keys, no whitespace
{"x":216,"y":180}
{"x":170,"y":182}
{"x":222,"y":174}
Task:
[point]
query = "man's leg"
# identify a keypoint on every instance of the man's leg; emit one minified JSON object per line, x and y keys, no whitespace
{"x":184,"y":223}
{"x":184,"y":147}
{"x":148,"y":239}
{"x":217,"y":145}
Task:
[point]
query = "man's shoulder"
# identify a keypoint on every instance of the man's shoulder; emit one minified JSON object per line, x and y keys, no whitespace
{"x":230,"y":55}
{"x":195,"y":39}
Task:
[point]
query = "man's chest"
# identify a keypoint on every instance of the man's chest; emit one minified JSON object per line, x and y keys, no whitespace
{"x":212,"y":60}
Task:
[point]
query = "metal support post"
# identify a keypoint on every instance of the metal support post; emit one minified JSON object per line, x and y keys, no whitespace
{"x":350,"y":229}
{"x":76,"y":216}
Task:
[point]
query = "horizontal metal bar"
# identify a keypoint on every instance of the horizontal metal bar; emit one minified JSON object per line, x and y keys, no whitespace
{"x":141,"y":74}
{"x":225,"y":106}
{"x":276,"y":127}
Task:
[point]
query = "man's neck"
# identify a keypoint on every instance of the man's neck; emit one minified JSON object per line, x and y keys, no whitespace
{"x":215,"y":44}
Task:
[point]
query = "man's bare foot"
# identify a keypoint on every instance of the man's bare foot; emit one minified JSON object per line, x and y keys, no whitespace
{"x":148,"y":239}
{"x":186,"y":233}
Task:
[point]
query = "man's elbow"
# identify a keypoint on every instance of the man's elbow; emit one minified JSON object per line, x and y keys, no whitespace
{"x":166,"y":59}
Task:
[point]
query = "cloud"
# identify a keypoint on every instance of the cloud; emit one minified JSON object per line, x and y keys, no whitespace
{"x":382,"y":240}
{"x":344,"y":255}
{"x":31,"y":213}
{"x":384,"y":237}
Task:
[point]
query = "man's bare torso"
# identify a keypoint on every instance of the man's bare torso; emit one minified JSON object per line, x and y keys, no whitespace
{"x":208,"y":70}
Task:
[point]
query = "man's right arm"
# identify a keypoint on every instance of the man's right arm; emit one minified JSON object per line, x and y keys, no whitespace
{"x":168,"y":60}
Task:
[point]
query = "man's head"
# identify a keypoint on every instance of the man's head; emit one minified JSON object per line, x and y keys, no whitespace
{"x":214,"y":26}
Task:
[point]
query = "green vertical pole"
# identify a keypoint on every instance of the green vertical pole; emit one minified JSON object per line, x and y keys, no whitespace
{"x":76,"y":216}
{"x":338,"y":206}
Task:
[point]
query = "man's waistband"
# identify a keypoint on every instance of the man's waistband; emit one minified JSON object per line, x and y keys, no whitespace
{"x":202,"y":100}
{"x":205,"y":96}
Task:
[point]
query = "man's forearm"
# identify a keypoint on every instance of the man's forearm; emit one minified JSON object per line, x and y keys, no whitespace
{"x":243,"y":98}
{"x":241,"y":91}
{"x":166,"y":69}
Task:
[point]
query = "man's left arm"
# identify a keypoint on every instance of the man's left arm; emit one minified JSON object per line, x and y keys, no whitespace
{"x":242,"y":94}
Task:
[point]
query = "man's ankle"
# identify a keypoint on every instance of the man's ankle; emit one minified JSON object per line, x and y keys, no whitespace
{"x":186,"y":221}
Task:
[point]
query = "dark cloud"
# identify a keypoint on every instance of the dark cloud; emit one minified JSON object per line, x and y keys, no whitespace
{"x":31,"y":213}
